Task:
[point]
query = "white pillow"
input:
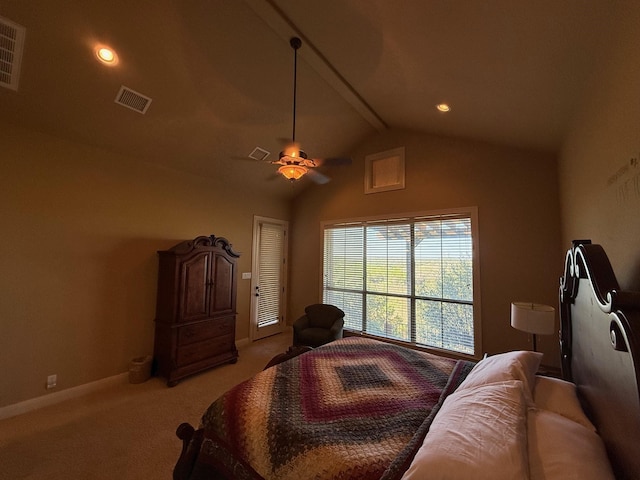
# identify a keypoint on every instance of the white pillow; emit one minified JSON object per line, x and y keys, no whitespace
{"x":519,"y":365}
{"x":560,"y":396}
{"x":561,"y":449}
{"x":479,"y":433}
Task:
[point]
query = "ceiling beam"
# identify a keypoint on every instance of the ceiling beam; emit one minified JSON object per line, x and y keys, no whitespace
{"x":282,"y":25}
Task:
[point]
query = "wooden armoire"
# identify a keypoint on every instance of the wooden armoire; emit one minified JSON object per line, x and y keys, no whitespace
{"x":195,"y":308}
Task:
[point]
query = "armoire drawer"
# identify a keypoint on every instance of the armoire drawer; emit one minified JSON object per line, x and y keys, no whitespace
{"x":203,"y":330}
{"x":204,"y":349}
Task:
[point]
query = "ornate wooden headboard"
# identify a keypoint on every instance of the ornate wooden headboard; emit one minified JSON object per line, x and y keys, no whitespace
{"x":600,"y":348}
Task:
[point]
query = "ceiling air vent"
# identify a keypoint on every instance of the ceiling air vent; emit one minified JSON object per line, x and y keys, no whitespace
{"x":259,"y":154}
{"x":132,"y":99}
{"x":11,"y":45}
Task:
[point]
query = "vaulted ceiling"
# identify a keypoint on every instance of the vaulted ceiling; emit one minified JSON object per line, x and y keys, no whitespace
{"x":219,"y":73}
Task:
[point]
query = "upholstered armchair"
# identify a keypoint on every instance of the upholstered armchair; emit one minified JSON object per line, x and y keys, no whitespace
{"x":320,"y":324}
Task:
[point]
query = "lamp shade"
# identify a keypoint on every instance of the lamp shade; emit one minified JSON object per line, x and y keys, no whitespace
{"x":533,"y":318}
{"x":292,"y":171}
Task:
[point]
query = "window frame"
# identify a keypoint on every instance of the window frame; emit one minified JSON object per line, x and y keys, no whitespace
{"x":469,"y":212}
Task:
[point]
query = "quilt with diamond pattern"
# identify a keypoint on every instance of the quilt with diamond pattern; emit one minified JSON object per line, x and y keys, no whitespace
{"x":356,"y":408}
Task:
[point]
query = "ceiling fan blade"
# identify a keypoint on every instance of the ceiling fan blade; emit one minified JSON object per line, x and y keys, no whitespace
{"x":257,"y":155}
{"x":332,"y":161}
{"x":317,"y":177}
{"x":247,"y":158}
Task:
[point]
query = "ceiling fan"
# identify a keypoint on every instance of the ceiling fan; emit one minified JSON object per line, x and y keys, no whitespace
{"x":294,"y":162}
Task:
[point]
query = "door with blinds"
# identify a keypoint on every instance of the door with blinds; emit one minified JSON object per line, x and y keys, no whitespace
{"x":268,"y":277}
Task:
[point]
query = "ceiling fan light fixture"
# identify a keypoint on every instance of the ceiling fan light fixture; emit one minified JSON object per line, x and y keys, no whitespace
{"x":292,"y":171}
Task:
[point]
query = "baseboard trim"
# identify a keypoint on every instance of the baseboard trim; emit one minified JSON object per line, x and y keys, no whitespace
{"x":73,"y":392}
{"x":57,"y":397}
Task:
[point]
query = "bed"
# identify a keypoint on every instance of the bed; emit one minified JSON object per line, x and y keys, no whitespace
{"x":359,"y":408}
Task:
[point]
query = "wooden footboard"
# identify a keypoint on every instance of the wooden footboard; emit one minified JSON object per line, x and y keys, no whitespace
{"x":191,"y":442}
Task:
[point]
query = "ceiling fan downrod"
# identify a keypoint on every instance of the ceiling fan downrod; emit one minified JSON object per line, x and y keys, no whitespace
{"x":295,"y":43}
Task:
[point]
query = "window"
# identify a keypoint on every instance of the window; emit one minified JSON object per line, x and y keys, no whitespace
{"x":412,"y":279}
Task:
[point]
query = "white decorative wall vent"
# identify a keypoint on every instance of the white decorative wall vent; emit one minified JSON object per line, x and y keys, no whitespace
{"x":259,"y":154}
{"x":133,"y":100}
{"x":11,"y":47}
{"x":384,"y":171}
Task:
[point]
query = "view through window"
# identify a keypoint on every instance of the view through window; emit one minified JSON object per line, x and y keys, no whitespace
{"x":409,"y":279}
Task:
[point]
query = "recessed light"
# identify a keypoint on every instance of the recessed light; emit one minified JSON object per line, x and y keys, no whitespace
{"x":443,"y":107}
{"x":106,"y":55}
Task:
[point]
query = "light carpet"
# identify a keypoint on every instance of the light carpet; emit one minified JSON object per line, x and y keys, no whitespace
{"x":124,"y":432}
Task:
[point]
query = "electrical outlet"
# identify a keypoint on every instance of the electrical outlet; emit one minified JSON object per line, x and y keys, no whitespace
{"x":52,"y":381}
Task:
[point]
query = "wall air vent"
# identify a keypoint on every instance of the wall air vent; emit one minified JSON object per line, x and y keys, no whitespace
{"x":11,"y":46}
{"x":133,"y":100}
{"x":259,"y":154}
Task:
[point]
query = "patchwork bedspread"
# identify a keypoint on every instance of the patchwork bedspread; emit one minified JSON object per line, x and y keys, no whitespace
{"x":356,"y":408}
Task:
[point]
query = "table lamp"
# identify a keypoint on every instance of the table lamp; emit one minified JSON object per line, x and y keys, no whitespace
{"x":533,"y":318}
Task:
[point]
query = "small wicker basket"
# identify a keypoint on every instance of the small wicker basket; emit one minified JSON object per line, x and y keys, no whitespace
{"x":140,"y":369}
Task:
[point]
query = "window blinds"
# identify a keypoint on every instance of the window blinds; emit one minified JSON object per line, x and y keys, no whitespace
{"x":409,"y":279}
{"x":270,"y":273}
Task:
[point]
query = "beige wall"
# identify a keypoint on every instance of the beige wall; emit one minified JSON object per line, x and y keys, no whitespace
{"x":80,"y":231}
{"x":81,"y":227}
{"x":600,"y":161}
{"x":516,"y":194}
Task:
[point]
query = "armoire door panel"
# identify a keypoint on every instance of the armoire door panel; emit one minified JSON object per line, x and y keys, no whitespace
{"x":195,"y":294}
{"x":223,"y":298}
